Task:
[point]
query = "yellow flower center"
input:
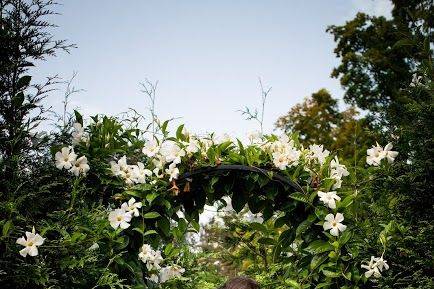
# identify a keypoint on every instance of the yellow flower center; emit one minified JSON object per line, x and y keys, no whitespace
{"x":334,"y":223}
{"x":119,"y":218}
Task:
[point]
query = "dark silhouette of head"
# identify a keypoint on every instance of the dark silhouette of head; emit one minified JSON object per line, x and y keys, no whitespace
{"x":240,"y":283}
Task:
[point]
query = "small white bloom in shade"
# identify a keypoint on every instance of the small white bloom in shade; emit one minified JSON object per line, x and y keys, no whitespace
{"x":372,"y":269}
{"x":337,"y":184}
{"x":170,"y":272}
{"x":142,"y":173}
{"x":154,"y":278}
{"x":389,"y":154}
{"x":318,"y":152}
{"x":374,"y":155}
{"x":334,"y":224}
{"x":30,"y":243}
{"x":381,"y":264}
{"x":329,"y":198}
{"x":132,"y":207}
{"x":151,"y":148}
{"x":64,"y":158}
{"x":94,"y":247}
{"x":337,"y":170}
{"x":150,"y":257}
{"x":80,"y":166}
{"x":172,"y":171}
{"x":119,"y":218}
{"x":78,"y":135}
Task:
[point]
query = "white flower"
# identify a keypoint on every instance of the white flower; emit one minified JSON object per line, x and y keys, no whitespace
{"x":318,"y":152}
{"x":80,"y":166}
{"x":337,"y":171}
{"x":389,"y":154}
{"x":280,"y":160}
{"x":172,"y":171}
{"x":154,"y":278}
{"x":375,"y":266}
{"x":170,"y":272}
{"x":172,"y":152}
{"x":119,"y":218}
{"x":142,"y":173}
{"x":372,"y":269}
{"x":78,"y":135}
{"x":192,"y":146}
{"x":64,"y":158}
{"x":375,"y":155}
{"x":132,"y":207}
{"x":151,"y":148}
{"x":329,"y":198}
{"x":150,"y":257}
{"x":381,"y":263}
{"x":31,"y":243}
{"x":334,"y":224}
{"x":285,"y":155}
{"x":119,"y":166}
{"x":254,"y":136}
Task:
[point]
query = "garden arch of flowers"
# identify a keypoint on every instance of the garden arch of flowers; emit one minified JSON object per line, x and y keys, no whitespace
{"x":156,"y":184}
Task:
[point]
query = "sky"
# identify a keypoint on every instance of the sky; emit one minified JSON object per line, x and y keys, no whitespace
{"x":207,"y":56}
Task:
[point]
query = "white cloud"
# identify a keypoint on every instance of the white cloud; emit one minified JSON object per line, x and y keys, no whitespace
{"x":372,"y":7}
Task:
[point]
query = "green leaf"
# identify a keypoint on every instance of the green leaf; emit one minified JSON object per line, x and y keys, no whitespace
{"x":299,"y":197}
{"x":330,"y":274}
{"x":150,"y":232}
{"x":23,"y":82}
{"x":317,"y":260}
{"x":266,"y":241}
{"x":164,"y":225}
{"x":151,"y":215}
{"x":318,"y":247}
{"x":179,"y":134}
{"x":6,"y":227}
{"x":78,"y":117}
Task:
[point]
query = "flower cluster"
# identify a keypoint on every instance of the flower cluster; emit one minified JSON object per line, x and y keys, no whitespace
{"x":132,"y":174}
{"x":67,"y":159}
{"x":283,"y":152}
{"x":153,"y":259}
{"x":30,"y":243}
{"x":122,"y":216}
{"x":377,"y":153}
{"x":375,"y":266}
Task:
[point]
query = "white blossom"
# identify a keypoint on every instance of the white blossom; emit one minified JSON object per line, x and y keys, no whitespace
{"x":376,"y":154}
{"x":78,"y":135}
{"x":151,"y":148}
{"x":170,"y":272}
{"x":389,"y":154}
{"x":337,"y":171}
{"x":64,"y":158}
{"x":172,"y":171}
{"x":30,"y":243}
{"x":192,"y":146}
{"x":375,"y":266}
{"x":172,"y":152}
{"x":142,"y":173}
{"x":318,"y":152}
{"x":132,"y":207}
{"x":80,"y":166}
{"x":119,"y":218}
{"x":152,"y":258}
{"x":329,"y":198}
{"x":334,"y":224}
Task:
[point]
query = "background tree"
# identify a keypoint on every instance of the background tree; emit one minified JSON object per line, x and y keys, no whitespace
{"x":318,"y":120}
{"x":386,"y":69}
